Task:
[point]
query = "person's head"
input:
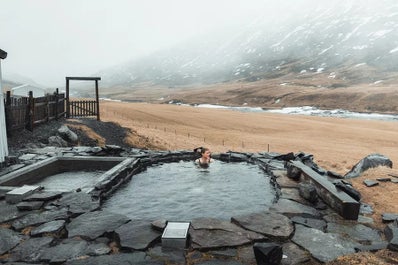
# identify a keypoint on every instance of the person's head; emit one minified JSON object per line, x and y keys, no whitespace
{"x":205,"y":152}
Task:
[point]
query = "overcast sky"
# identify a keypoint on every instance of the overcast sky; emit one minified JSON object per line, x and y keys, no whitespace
{"x":47,"y":40}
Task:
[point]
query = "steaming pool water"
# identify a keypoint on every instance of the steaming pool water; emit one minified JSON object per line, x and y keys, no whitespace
{"x":70,"y":180}
{"x":183,"y":191}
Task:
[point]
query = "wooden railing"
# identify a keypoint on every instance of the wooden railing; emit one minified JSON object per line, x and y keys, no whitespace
{"x":83,"y":108}
{"x":27,"y":112}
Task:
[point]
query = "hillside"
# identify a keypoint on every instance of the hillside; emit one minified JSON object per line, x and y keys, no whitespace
{"x":346,"y":40}
{"x":338,"y":55}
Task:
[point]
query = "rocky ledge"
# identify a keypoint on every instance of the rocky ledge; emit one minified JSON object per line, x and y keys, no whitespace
{"x":70,"y":228}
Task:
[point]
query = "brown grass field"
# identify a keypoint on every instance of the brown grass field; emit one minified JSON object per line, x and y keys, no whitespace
{"x":337,"y":144}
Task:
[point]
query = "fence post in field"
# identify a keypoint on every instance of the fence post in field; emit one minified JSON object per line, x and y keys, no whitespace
{"x":97,"y":99}
{"x":30,"y":110}
{"x":47,"y":107}
{"x":67,"y":98}
{"x":56,"y":94}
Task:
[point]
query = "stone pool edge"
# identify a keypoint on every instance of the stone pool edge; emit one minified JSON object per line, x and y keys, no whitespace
{"x":210,"y":239}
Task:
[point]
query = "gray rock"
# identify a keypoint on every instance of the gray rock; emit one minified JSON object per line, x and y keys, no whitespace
{"x":68,"y":135}
{"x":357,"y":232}
{"x":53,"y":227}
{"x":98,"y":249}
{"x":159,"y":225}
{"x":389,"y":217}
{"x":391,"y":234}
{"x":29,"y":206}
{"x":43,"y":196}
{"x":246,"y":255}
{"x":272,"y":225}
{"x":70,"y":249}
{"x":26,"y":157}
{"x":73,"y":248}
{"x":224,"y":253}
{"x":370,"y":161}
{"x":94,"y":224}
{"x":293,"y":172}
{"x":292,"y":208}
{"x":293,"y":194}
{"x":370,"y":183}
{"x":56,"y":140}
{"x":324,"y":247}
{"x":8,"y":240}
{"x":38,"y":218}
{"x":216,"y":224}
{"x":393,"y":244}
{"x":9,"y":212}
{"x":31,"y":249}
{"x":373,"y":247}
{"x":209,"y":239}
{"x":383,"y":179}
{"x":168,"y":256}
{"x":78,"y":203}
{"x":136,"y":258}
{"x":292,"y":254}
{"x":286,"y":182}
{"x":137,"y":235}
{"x":220,"y":262}
{"x":308,"y":192}
{"x":365,"y":209}
{"x":310,"y":222}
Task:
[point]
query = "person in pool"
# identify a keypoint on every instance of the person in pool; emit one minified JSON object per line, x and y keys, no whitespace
{"x":205,"y":158}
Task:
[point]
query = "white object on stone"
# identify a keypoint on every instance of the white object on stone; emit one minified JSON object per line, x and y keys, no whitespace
{"x":18,"y":194}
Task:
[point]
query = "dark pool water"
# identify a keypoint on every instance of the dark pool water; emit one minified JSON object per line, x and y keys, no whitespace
{"x":71,"y":181}
{"x":182,"y":191}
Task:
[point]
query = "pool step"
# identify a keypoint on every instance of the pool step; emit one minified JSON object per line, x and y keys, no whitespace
{"x":175,"y":235}
{"x":18,"y":194}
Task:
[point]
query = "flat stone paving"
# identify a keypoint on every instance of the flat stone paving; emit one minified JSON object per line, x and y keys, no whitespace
{"x":72,"y":229}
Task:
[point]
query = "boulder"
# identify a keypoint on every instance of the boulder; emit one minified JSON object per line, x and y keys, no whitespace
{"x":373,"y":160}
{"x":57,"y":141}
{"x":68,"y":135}
{"x":308,"y":192}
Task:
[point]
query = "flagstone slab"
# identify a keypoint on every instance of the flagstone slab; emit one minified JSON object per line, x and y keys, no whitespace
{"x":31,"y":249}
{"x":8,"y":240}
{"x":38,"y":218}
{"x":291,"y":208}
{"x":136,"y":258}
{"x":273,"y":225}
{"x":92,"y":225}
{"x":137,"y":235}
{"x":324,"y":247}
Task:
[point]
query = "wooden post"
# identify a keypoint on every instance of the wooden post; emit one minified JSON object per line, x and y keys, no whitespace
{"x":30,"y":110}
{"x":56,"y":94}
{"x":97,"y":99}
{"x":67,"y":98}
{"x":47,"y":108}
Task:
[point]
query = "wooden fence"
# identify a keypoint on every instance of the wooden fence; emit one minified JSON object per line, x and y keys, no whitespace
{"x":83,"y":108}
{"x":27,"y":112}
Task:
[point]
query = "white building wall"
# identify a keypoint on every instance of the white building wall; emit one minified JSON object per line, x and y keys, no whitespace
{"x":3,"y":129}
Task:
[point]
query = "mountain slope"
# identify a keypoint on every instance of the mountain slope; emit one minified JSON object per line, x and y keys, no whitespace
{"x":353,"y":41}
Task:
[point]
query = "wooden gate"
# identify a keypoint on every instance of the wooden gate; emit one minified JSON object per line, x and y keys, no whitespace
{"x":82,"y":107}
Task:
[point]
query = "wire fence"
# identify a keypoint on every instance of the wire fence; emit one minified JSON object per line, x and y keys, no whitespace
{"x":186,"y":138}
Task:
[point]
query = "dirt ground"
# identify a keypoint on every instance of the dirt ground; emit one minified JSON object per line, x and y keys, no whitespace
{"x":337,"y":144}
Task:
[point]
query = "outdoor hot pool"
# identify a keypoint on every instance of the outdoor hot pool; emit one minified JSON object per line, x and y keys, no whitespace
{"x":183,"y":191}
